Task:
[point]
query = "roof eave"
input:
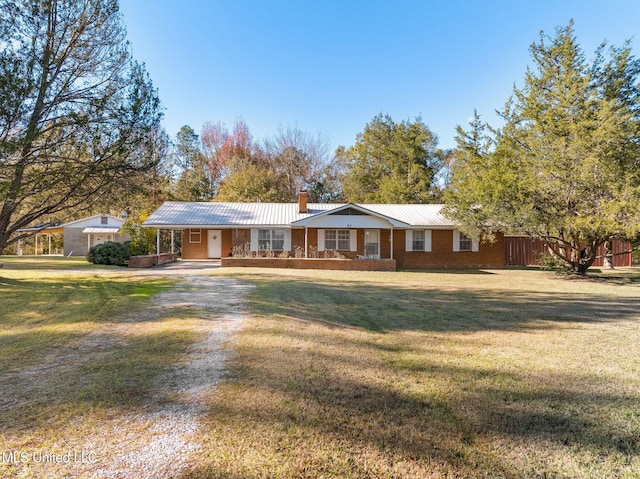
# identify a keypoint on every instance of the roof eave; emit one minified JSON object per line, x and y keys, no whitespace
{"x":169,"y":226}
{"x":394,"y":222}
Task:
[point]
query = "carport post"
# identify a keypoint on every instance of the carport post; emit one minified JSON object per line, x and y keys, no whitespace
{"x":158,"y":242}
{"x":172,"y":251}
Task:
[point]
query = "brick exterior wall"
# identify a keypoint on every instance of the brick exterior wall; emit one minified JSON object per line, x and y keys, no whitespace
{"x":441,"y":255}
{"x":230,"y":238}
{"x":194,"y":250}
{"x":148,"y":261}
{"x":294,"y":263}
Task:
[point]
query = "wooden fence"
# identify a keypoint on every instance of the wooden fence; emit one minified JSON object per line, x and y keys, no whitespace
{"x":524,"y":251}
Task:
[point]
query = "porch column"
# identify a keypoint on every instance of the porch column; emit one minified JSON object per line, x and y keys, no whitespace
{"x":306,"y":243}
{"x":158,"y":242}
{"x":88,"y":242}
{"x":172,"y":242}
{"x":391,"y":256}
{"x":49,"y":245}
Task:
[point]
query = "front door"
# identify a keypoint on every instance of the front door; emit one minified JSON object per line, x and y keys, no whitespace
{"x":372,"y":244}
{"x":214,"y":243}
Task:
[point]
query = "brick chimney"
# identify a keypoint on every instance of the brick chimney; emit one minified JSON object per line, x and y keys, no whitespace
{"x":303,"y":196}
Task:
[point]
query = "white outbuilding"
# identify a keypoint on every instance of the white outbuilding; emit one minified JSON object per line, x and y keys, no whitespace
{"x":81,"y":235}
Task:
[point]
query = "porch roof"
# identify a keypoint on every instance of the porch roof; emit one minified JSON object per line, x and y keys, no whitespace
{"x":359,"y":210}
{"x":103,"y":230}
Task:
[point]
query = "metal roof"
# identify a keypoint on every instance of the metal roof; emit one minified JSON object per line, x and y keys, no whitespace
{"x":75,"y":222}
{"x":414,"y":215}
{"x":175,"y":214}
{"x":104,"y":230}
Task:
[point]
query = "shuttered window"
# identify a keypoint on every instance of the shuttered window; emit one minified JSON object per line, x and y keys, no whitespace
{"x":418,"y":240}
{"x":270,"y":240}
{"x":465,"y":242}
{"x":417,"y":244}
{"x":339,"y":240}
{"x":462,"y":242}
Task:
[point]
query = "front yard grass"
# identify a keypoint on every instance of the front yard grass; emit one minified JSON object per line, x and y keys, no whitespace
{"x":77,"y":361}
{"x":487,"y":374}
{"x":512,"y":373}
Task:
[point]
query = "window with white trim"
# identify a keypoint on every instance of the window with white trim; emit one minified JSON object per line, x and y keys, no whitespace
{"x":465,"y":242}
{"x":195,"y":236}
{"x":417,"y":243}
{"x":418,"y":240}
{"x":271,"y":240}
{"x":104,"y":220}
{"x":339,"y":240}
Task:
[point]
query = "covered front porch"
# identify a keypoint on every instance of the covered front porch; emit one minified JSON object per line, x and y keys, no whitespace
{"x":352,"y":231}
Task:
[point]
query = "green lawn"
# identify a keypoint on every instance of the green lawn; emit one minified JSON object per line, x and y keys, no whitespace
{"x":514,"y":373}
{"x":59,"y":263}
{"x":75,"y":359}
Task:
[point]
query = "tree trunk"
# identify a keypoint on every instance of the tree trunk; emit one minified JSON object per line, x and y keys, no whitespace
{"x":607,"y":262}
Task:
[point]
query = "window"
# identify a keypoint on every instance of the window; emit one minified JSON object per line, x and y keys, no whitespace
{"x":418,"y":241}
{"x":339,"y":240}
{"x":104,"y":220}
{"x":195,"y":236}
{"x":465,"y":243}
{"x":271,"y":240}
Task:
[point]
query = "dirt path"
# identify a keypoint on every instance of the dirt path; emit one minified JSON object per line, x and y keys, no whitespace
{"x":159,"y":439}
{"x":172,"y":423}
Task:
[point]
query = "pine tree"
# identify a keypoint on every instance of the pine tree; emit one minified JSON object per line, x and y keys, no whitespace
{"x":565,"y":168}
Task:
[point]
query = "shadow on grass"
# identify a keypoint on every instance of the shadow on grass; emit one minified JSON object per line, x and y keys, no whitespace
{"x":47,"y":365}
{"x":9,"y":281}
{"x":50,"y":263}
{"x":108,"y":373}
{"x":393,"y":308}
{"x":67,"y":300}
{"x":618,"y":279}
{"x":300,"y":394}
{"x":318,"y":403}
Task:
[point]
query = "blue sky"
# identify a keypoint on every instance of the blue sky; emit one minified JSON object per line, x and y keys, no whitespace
{"x":329,"y":67}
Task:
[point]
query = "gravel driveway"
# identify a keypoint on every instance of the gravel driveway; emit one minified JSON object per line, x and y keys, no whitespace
{"x":175,"y":410}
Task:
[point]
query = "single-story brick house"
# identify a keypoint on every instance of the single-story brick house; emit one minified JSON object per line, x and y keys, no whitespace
{"x":413,"y":236}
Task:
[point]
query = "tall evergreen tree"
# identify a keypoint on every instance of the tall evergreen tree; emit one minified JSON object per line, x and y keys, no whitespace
{"x":194,"y":182}
{"x":566,"y":167}
{"x":392,"y":163}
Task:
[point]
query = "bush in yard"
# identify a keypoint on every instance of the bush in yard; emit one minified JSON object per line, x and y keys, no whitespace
{"x":143,"y":240}
{"x":109,"y":253}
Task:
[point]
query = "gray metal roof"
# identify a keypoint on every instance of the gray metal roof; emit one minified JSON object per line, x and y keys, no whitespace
{"x":97,"y":230}
{"x":176,"y":214}
{"x":414,"y":215}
